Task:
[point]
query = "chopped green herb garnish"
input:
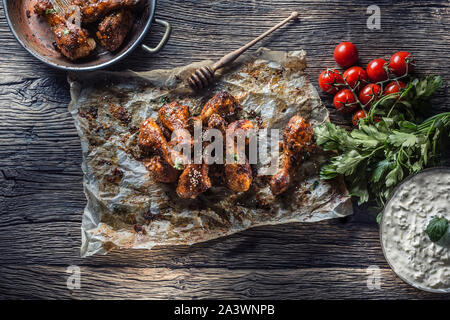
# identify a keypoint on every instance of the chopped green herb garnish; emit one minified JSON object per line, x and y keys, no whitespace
{"x":178,"y":164}
{"x":50,"y":11}
{"x":66,"y":32}
{"x":164,"y":100}
{"x":437,"y":228}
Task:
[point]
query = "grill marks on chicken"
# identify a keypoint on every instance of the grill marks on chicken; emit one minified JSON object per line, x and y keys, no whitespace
{"x":72,"y":40}
{"x":297,"y":139}
{"x":93,"y":10}
{"x":113,"y":29}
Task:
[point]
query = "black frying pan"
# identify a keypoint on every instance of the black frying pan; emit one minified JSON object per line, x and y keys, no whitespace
{"x":34,"y":34}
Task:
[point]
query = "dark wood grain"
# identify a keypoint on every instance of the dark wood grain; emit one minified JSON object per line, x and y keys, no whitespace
{"x":41,"y":196}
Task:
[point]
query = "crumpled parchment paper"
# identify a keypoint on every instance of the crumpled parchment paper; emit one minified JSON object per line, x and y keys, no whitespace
{"x":127,"y":209}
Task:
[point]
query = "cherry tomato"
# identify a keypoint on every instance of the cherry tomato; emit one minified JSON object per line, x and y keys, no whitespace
{"x":376,"y":70}
{"x":369,"y":94}
{"x":360,"y":114}
{"x":346,"y":54}
{"x":400,"y":61}
{"x":356,"y":77}
{"x":393,"y":87}
{"x":345,"y":101}
{"x":330,"y":81}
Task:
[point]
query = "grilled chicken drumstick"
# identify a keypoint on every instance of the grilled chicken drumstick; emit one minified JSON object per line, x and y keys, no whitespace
{"x":194,"y":181}
{"x":71,"y":40}
{"x":297,"y":138}
{"x":175,"y":117}
{"x":195,"y":178}
{"x":223,"y":104}
{"x":113,"y":29}
{"x":238,"y":176}
{"x":152,"y":138}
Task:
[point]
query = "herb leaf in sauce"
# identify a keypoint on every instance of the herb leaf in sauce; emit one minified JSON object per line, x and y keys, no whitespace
{"x":437,"y":228}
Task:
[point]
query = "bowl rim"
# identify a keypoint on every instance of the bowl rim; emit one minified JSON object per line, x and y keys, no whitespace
{"x":396,"y":189}
{"x":113,"y":60}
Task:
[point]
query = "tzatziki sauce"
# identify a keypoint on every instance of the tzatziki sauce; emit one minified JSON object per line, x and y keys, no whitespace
{"x":407,"y":247}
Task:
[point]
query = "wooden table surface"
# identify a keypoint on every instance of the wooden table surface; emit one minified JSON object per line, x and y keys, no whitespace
{"x":41,"y":194}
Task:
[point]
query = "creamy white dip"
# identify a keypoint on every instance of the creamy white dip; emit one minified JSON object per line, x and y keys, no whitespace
{"x":409,"y":250}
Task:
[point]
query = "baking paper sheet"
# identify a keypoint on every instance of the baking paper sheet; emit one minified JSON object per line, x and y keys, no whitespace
{"x":127,"y":209}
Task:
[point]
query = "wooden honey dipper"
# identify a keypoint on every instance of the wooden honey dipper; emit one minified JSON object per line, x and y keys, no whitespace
{"x":204,"y":76}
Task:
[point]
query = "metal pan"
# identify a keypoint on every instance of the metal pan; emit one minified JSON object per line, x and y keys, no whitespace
{"x":34,"y":34}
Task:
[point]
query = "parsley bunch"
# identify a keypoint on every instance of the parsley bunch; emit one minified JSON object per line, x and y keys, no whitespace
{"x":390,"y":143}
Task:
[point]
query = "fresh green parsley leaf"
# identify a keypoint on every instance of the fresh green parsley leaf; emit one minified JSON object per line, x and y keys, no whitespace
{"x":50,"y":11}
{"x":437,"y":228}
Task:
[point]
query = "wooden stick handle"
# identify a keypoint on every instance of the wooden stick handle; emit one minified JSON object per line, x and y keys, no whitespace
{"x":235,"y":54}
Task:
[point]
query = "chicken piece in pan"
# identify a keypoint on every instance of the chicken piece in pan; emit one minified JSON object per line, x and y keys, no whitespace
{"x":223,"y":104}
{"x":113,"y":29}
{"x":93,"y":10}
{"x":297,"y":139}
{"x":72,"y":40}
{"x":238,"y":173}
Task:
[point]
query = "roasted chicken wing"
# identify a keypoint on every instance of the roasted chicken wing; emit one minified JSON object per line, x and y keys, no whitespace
{"x":297,"y":139}
{"x":113,"y":29}
{"x":238,"y":173}
{"x":194,"y":181}
{"x":93,"y":10}
{"x":223,"y":104}
{"x":72,"y":40}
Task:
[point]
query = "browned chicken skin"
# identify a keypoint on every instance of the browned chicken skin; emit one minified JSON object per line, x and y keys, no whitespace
{"x":113,"y":29}
{"x":174,"y":117}
{"x":194,"y":181}
{"x":160,"y":170}
{"x":152,"y":138}
{"x":238,"y":175}
{"x":297,"y":138}
{"x":93,"y":10}
{"x":217,"y":122}
{"x":71,"y":40}
{"x":223,"y":104}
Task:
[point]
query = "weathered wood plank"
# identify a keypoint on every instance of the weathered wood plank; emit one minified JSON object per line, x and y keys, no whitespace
{"x":324,"y":244}
{"x":37,"y":281}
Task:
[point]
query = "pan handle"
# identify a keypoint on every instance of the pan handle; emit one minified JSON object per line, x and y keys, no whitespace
{"x":164,"y":39}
